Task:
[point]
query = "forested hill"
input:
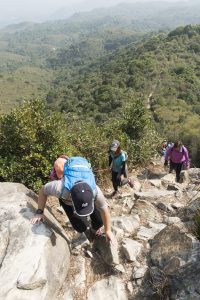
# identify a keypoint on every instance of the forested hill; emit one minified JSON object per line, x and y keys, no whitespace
{"x":163,"y":71}
{"x":96,"y":74}
{"x":102,"y":82}
{"x":166,"y":66}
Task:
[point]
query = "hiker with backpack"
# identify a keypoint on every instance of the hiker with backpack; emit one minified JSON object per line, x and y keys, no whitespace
{"x":178,"y":158}
{"x":79,"y":196}
{"x":118,"y":166}
{"x":163,"y":148}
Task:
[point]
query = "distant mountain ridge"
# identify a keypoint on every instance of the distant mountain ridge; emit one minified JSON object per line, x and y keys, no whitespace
{"x":101,"y":8}
{"x":137,"y":10}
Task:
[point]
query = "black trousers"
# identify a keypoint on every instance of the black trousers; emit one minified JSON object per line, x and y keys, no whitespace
{"x":80,"y":224}
{"x":177,"y":167}
{"x":117,"y":182}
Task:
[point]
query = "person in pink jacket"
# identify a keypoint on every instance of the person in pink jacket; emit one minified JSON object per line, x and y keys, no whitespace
{"x":178,"y":157}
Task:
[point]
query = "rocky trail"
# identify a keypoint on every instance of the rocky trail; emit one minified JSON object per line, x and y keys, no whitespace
{"x":157,"y":255}
{"x":137,"y":216}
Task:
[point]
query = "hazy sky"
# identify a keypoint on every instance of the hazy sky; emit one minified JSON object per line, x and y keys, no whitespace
{"x":41,"y":9}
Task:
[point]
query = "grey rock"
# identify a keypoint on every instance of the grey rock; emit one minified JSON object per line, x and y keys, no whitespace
{"x":107,"y":251}
{"x":153,"y":194}
{"x":27,"y":251}
{"x":146,"y":211}
{"x":139,"y":273}
{"x":164,"y":207}
{"x":129,"y":224}
{"x":147,"y":233}
{"x":120,"y":269}
{"x":111,"y":288}
{"x":171,"y":220}
{"x":131,"y":249}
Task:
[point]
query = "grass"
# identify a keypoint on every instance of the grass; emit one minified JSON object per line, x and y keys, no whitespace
{"x":25,"y":83}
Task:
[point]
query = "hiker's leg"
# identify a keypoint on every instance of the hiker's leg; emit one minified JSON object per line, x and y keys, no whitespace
{"x":171,"y":166}
{"x":178,"y":171}
{"x":96,"y":220}
{"x":115,"y":180}
{"x":79,"y":224}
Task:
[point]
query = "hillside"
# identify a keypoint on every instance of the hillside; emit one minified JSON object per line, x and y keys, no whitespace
{"x":39,"y":40}
{"x":164,"y":67}
{"x":84,"y":38}
{"x":28,"y":82}
{"x":94,"y":68}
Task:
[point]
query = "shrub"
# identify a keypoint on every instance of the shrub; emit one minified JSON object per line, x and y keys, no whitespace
{"x":143,"y":140}
{"x":31,"y":138}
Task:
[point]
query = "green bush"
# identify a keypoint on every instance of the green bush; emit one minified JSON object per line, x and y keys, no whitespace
{"x":143,"y":139}
{"x":31,"y":139}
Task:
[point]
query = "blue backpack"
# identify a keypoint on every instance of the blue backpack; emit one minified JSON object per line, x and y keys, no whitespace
{"x":78,"y":169}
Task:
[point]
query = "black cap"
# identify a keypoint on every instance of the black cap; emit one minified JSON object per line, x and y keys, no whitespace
{"x":82,"y":199}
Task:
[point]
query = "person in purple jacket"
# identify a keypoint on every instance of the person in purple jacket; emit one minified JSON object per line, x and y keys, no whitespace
{"x":178,"y":157}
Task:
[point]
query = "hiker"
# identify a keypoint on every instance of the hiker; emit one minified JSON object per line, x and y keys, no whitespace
{"x":177,"y":154}
{"x":169,"y":144}
{"x":118,"y":166}
{"x":163,"y":148}
{"x":79,"y":196}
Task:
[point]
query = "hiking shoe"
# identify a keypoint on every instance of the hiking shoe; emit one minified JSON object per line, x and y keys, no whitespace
{"x":130,"y":182}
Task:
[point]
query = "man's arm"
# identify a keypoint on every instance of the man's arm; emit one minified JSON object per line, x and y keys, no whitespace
{"x":39,"y":216}
{"x":105,"y":215}
{"x":102,"y":206}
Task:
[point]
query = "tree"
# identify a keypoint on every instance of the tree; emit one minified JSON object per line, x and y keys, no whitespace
{"x":138,"y":126}
{"x":31,"y":139}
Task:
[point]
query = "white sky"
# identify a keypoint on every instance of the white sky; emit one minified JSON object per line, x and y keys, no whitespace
{"x":35,"y":9}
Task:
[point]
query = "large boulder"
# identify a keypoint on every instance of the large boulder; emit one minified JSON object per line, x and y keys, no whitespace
{"x":176,"y":253}
{"x":129,"y":224}
{"x":147,"y":212}
{"x":107,"y":251}
{"x":155,"y":194}
{"x":110,"y":289}
{"x":194,"y":175}
{"x":34,"y":259}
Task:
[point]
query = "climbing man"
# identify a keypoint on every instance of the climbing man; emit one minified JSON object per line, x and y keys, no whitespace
{"x":79,"y":196}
